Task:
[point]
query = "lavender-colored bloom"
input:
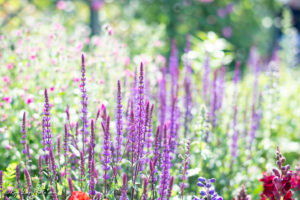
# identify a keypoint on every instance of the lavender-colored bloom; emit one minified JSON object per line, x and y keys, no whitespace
{"x":98,"y":196}
{"x":174,"y":69}
{"x":92,"y":146}
{"x":84,"y":104}
{"x":54,"y":195}
{"x":171,"y":183}
{"x":1,"y":183}
{"x":214,"y":98}
{"x":28,"y":180}
{"x":162,"y":97}
{"x":23,"y":131}
{"x":92,"y":179}
{"x":185,"y":167}
{"x":156,"y":152}
{"x":66,"y":147}
{"x":119,"y":125}
{"x":235,"y":102}
{"x":106,"y":158}
{"x":187,"y":87}
{"x":205,"y":78}
{"x":41,"y":169}
{"x":71,"y":188}
{"x":165,"y":165}
{"x":18,"y":182}
{"x":174,"y":125}
{"x":221,"y":87}
{"x":148,"y":134}
{"x":140,"y":116}
{"x":47,"y":137}
{"x":208,"y":191}
{"x":145,"y":191}
{"x":81,"y":169}
{"x":52,"y":162}
{"x":124,"y":188}
{"x":58,"y":149}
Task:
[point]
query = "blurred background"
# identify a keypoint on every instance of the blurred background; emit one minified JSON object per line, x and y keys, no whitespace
{"x":242,"y":23}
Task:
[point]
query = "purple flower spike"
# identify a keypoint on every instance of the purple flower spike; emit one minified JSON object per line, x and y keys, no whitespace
{"x":119,"y":125}
{"x":84,"y":104}
{"x":92,"y":179}
{"x":205,"y":79}
{"x":1,"y":183}
{"x":28,"y":180}
{"x":171,"y":183}
{"x":174,"y":68}
{"x":41,"y":169}
{"x":18,"y":182}
{"x":165,"y":165}
{"x":124,"y":188}
{"x":145,"y":191}
{"x":66,"y":147}
{"x":54,"y":195}
{"x":106,"y":158}
{"x":162,"y":97}
{"x":47,"y":137}
{"x":23,"y":131}
{"x":81,"y":169}
{"x":70,"y":184}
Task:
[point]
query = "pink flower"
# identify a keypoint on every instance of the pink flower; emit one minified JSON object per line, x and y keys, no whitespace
{"x":61,"y":5}
{"x":76,"y":79}
{"x":52,"y":89}
{"x":29,"y":100}
{"x":129,"y":73}
{"x":8,"y":147}
{"x":97,"y":4}
{"x":7,"y":99}
{"x":222,"y":12}
{"x":10,"y":65}
{"x":227,"y":32}
{"x":127,"y":61}
{"x":6,"y":79}
{"x":101,"y":82}
{"x":33,"y":57}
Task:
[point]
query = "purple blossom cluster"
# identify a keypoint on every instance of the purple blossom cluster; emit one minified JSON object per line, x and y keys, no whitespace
{"x":208,"y":191}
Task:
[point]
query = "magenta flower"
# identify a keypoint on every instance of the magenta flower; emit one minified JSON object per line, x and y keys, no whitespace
{"x":7,"y":99}
{"x":227,"y":32}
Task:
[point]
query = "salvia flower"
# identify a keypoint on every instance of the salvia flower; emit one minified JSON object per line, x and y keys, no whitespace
{"x":124,"y":188}
{"x":47,"y":137}
{"x":145,"y":191}
{"x":28,"y":179}
{"x":208,"y":191}
{"x":18,"y":182}
{"x":23,"y":131}
{"x":71,"y":188}
{"x":171,"y":183}
{"x":54,"y":195}
{"x":106,"y":158}
{"x":84,"y":105}
{"x":119,"y":125}
{"x":1,"y":183}
{"x":165,"y":165}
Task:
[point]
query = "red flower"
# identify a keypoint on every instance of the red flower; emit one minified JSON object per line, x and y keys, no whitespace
{"x":296,"y":180}
{"x":77,"y":195}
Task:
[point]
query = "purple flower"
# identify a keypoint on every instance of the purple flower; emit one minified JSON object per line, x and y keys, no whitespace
{"x":124,"y":188}
{"x":47,"y":141}
{"x":23,"y":131}
{"x":227,"y":32}
{"x":208,"y":191}
{"x":54,"y":195}
{"x":171,"y":182}
{"x":205,"y":78}
{"x":145,"y":191}
{"x":18,"y":181}
{"x":92,"y":179}
{"x":81,"y":169}
{"x":174,"y":125}
{"x":174,"y":69}
{"x":70,"y":184}
{"x":165,"y":166}
{"x":66,"y":147}
{"x":84,"y":104}
{"x":28,"y":180}
{"x":119,"y":125}
{"x":1,"y":183}
{"x":41,"y":169}
{"x":214,"y":98}
{"x":148,"y":132}
{"x":106,"y":158}
{"x":162,"y":97}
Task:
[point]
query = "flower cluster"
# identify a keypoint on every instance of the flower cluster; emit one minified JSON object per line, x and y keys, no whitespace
{"x":242,"y":195}
{"x":296,"y":179}
{"x":278,"y":184}
{"x":208,"y":191}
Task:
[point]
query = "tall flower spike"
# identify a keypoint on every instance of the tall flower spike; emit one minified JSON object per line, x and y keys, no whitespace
{"x":18,"y":182}
{"x":205,"y":78}
{"x":165,"y":165}
{"x":171,"y":182}
{"x":28,"y":180}
{"x":70,"y":184}
{"x":92,"y":179}
{"x":106,"y":158}
{"x":145,"y":190}
{"x":66,"y":147}
{"x":1,"y":183}
{"x":84,"y":104}
{"x":214,"y":98}
{"x":47,"y":137}
{"x":81,"y":169}
{"x":149,"y":137}
{"x":119,"y":125}
{"x":54,"y":195}
{"x":124,"y":188}
{"x":235,"y":134}
{"x":41,"y":169}
{"x":174,"y":68}
{"x":242,"y":195}
{"x":23,"y":131}
{"x":140,"y":116}
{"x":162,"y":97}
{"x":187,"y":87}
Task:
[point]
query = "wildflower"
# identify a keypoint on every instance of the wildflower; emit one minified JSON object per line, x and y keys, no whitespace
{"x":227,"y":32}
{"x":77,"y":195}
{"x":296,"y":179}
{"x":29,"y":100}
{"x":10,"y":65}
{"x":278,"y":184}
{"x":208,"y":191}
{"x":119,"y":125}
{"x":1,"y":183}
{"x":7,"y":99}
{"x":124,"y":188}
{"x":185,"y":166}
{"x":242,"y":195}
{"x":6,"y":79}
